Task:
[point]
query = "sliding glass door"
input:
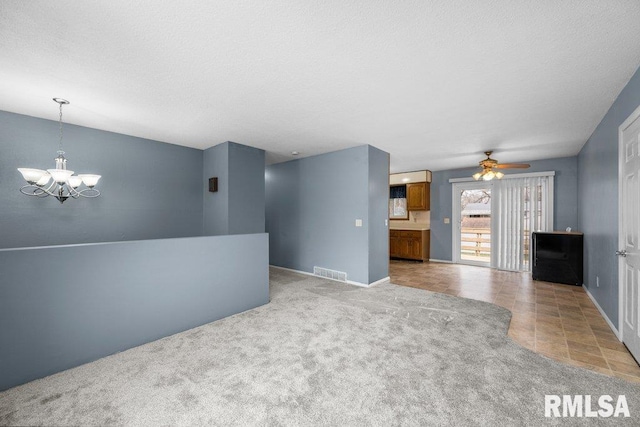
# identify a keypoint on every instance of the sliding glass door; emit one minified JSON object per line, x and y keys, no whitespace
{"x":472,"y":223}
{"x":493,"y":221}
{"x":523,"y":205}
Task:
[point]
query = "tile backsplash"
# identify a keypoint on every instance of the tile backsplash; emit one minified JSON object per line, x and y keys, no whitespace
{"x":416,"y":217}
{"x":420,"y":216}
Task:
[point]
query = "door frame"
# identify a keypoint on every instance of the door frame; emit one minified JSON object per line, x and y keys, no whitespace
{"x":621,"y":240}
{"x":456,"y":218}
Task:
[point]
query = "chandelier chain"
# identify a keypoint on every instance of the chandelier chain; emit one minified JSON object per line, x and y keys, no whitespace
{"x":60,"y":122}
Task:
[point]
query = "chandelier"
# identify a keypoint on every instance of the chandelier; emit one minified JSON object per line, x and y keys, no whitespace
{"x":64,"y":183}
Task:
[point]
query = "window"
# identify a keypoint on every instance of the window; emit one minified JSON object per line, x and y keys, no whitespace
{"x":398,"y":202}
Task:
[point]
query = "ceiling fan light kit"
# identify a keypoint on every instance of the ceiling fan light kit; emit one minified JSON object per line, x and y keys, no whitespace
{"x":64,"y":183}
{"x":487,"y":175}
{"x":488,"y":165}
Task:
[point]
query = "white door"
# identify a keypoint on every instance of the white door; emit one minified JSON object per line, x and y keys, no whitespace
{"x":629,"y":232}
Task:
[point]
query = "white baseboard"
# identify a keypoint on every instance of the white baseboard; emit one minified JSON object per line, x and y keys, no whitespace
{"x":349,"y":282}
{"x":604,"y":315}
{"x":378,"y":282}
{"x":440,"y":260}
{"x":292,"y":270}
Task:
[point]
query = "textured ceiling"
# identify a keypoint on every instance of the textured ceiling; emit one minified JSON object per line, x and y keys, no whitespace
{"x":434,"y":83}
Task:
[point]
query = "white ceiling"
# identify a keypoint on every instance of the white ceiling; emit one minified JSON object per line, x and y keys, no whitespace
{"x":434,"y":83}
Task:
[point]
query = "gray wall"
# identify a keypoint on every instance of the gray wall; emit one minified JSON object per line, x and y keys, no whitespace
{"x":239,"y":205}
{"x":246,"y":194}
{"x":565,"y":200}
{"x":312,"y":204}
{"x":216,"y":205}
{"x":149,"y":189}
{"x":51,"y":319}
{"x":598,"y":200}
{"x":378,"y":214}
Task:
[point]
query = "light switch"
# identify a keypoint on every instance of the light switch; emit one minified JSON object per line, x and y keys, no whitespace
{"x":386,"y":222}
{"x":447,"y":220}
{"x":358,"y":223}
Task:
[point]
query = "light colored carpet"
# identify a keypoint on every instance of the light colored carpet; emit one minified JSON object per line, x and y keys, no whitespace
{"x":321,"y":353}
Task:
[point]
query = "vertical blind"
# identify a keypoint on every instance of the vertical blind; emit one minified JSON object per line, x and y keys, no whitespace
{"x":524,"y":205}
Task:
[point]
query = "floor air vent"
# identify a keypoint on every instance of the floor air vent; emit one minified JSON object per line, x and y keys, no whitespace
{"x":330,"y":274}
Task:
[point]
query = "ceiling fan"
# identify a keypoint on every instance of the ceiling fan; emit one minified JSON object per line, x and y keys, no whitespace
{"x":488,"y":165}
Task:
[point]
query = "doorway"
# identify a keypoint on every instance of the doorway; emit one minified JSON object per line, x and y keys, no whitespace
{"x":629,"y":233}
{"x":472,"y":223}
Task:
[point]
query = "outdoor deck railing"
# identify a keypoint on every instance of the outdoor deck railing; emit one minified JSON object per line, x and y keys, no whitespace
{"x":477,"y":241}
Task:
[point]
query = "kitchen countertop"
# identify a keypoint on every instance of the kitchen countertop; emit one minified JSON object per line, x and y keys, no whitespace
{"x":408,"y":226}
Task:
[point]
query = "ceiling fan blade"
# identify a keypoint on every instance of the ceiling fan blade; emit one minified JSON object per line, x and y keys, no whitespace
{"x":512,"y":166}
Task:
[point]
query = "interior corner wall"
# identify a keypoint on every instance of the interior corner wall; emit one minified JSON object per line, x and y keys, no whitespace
{"x":215,"y":214}
{"x":246,"y":189}
{"x":598,"y":200}
{"x":150,"y":189}
{"x":311,"y":208}
{"x":238,"y":207}
{"x":565,"y":200}
{"x":378,"y":214}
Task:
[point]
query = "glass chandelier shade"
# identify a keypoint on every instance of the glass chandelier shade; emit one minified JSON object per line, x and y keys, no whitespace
{"x":487,"y":175}
{"x":60,"y":182}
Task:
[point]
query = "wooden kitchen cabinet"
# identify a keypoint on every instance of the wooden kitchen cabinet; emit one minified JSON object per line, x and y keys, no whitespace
{"x":394,"y":244}
{"x":418,"y":196}
{"x":409,"y":244}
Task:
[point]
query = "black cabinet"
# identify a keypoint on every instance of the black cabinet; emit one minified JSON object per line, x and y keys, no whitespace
{"x":557,"y":257}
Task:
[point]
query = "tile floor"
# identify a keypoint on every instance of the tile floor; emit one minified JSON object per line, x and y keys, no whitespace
{"x":558,"y":321}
